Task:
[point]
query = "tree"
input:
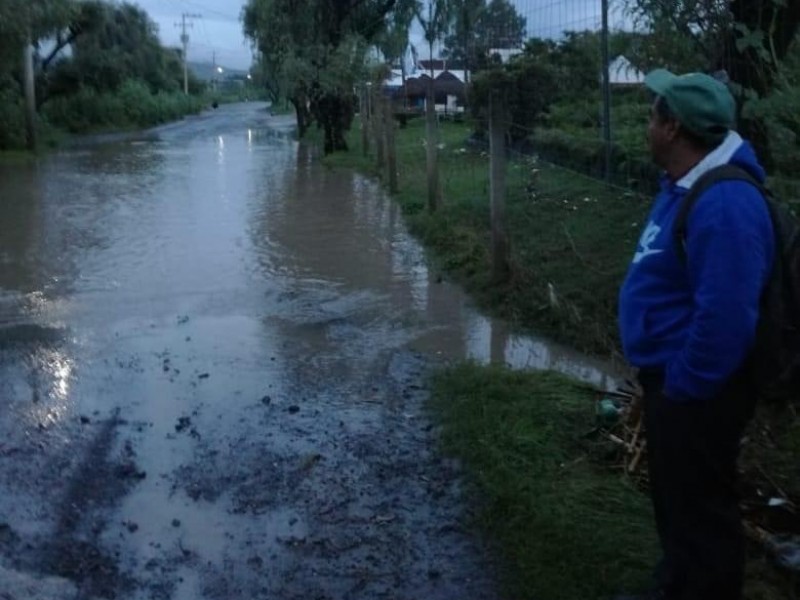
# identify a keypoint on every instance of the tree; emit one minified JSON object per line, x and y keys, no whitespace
{"x":683,"y":35}
{"x":528,"y":85}
{"x":434,"y":20}
{"x":123,"y":45}
{"x":500,"y":25}
{"x":394,"y":42}
{"x":746,"y":38}
{"x":317,"y":49}
{"x":22,"y":24}
{"x":462,"y":46}
{"x":284,"y":45}
{"x":479,"y":27}
{"x":755,"y":47}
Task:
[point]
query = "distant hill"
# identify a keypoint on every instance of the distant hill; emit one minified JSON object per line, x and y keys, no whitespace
{"x":205,"y":71}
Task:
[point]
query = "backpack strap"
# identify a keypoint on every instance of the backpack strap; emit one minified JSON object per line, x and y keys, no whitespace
{"x":711,"y":177}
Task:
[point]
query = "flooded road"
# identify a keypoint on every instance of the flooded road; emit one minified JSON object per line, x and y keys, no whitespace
{"x":213,"y":354}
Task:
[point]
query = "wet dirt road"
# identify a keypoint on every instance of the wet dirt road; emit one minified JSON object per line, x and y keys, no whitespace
{"x":212,"y":365}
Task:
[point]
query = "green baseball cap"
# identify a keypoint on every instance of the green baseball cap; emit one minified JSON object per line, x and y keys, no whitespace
{"x":701,"y":103}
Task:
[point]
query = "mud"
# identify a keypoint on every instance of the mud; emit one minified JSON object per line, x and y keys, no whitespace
{"x":213,"y":360}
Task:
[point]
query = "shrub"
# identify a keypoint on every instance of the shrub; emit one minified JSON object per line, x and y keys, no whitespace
{"x":12,"y":117}
{"x":132,"y":105}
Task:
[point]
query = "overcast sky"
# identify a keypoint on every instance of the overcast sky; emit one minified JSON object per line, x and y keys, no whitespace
{"x":219,"y":29}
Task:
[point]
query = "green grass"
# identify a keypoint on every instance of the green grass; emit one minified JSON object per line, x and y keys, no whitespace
{"x":567,"y":524}
{"x":567,"y":527}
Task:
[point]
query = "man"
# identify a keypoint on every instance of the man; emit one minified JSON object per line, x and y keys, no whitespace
{"x":688,"y":324}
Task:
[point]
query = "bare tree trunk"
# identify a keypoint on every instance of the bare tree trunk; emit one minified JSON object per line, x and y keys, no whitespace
{"x":497,"y":149}
{"x":391,"y":151}
{"x":30,"y":94}
{"x":301,"y":111}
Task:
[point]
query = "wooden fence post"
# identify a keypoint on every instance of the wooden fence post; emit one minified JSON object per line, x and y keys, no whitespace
{"x":432,"y":143}
{"x":498,"y":116}
{"x":365,"y":121}
{"x":376,"y":118}
{"x":391,"y":150}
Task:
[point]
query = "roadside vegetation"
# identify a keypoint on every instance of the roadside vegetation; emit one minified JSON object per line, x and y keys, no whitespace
{"x":97,"y":66}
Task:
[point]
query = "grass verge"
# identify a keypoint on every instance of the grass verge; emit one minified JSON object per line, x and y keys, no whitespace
{"x":566,"y":522}
{"x":567,"y":528}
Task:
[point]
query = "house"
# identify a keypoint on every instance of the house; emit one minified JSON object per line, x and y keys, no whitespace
{"x":449,"y":91}
{"x":449,"y":87}
{"x":621,"y":72}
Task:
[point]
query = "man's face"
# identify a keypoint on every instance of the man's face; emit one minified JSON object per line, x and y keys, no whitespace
{"x":660,"y":136}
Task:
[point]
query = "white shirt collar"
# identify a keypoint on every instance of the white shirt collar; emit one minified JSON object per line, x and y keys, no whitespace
{"x":721,"y":155}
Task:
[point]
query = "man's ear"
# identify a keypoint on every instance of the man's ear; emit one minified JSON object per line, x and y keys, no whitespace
{"x":672,"y":129}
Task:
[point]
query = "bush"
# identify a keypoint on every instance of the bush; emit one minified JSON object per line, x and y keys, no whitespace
{"x":586,"y":154}
{"x":527,"y":85}
{"x":12,"y":117}
{"x":132,"y":105}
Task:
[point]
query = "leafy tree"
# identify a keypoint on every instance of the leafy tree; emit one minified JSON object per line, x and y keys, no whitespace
{"x":528,"y":86}
{"x":683,"y":35}
{"x":500,"y":25}
{"x":394,"y":41}
{"x":315,"y":49}
{"x":20,"y":19}
{"x":462,"y":45}
{"x":123,"y":44}
{"x":759,"y":41}
{"x":747,"y":38}
{"x":479,"y":27}
{"x":575,"y":59}
{"x":434,"y":18}
{"x":22,"y":25}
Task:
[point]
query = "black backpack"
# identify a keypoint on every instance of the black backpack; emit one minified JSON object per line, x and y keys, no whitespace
{"x":775,"y":358}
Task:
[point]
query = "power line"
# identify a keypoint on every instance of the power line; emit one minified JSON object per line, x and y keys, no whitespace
{"x":210,"y":11}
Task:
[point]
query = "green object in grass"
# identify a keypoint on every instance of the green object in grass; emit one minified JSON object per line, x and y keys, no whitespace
{"x":607,"y":412}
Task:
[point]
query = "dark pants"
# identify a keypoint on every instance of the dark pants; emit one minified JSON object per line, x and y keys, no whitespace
{"x":692,"y":449}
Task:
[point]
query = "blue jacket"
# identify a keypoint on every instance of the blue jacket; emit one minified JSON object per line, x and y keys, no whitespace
{"x":697,"y":320}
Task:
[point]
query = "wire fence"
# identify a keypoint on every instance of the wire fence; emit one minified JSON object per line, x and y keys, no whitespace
{"x":603,"y":48}
{"x":577,"y":181}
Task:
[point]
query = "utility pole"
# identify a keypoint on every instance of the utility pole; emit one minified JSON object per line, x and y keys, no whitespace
{"x":185,"y":41}
{"x":214,"y":69}
{"x":30,"y":93}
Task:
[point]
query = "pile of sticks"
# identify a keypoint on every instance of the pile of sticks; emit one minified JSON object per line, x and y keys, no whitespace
{"x":628,"y":433}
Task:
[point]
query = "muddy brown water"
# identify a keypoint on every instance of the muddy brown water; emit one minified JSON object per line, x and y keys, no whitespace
{"x":212,"y":375}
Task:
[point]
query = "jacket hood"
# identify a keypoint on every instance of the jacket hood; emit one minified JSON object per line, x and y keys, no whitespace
{"x":733,"y":150}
